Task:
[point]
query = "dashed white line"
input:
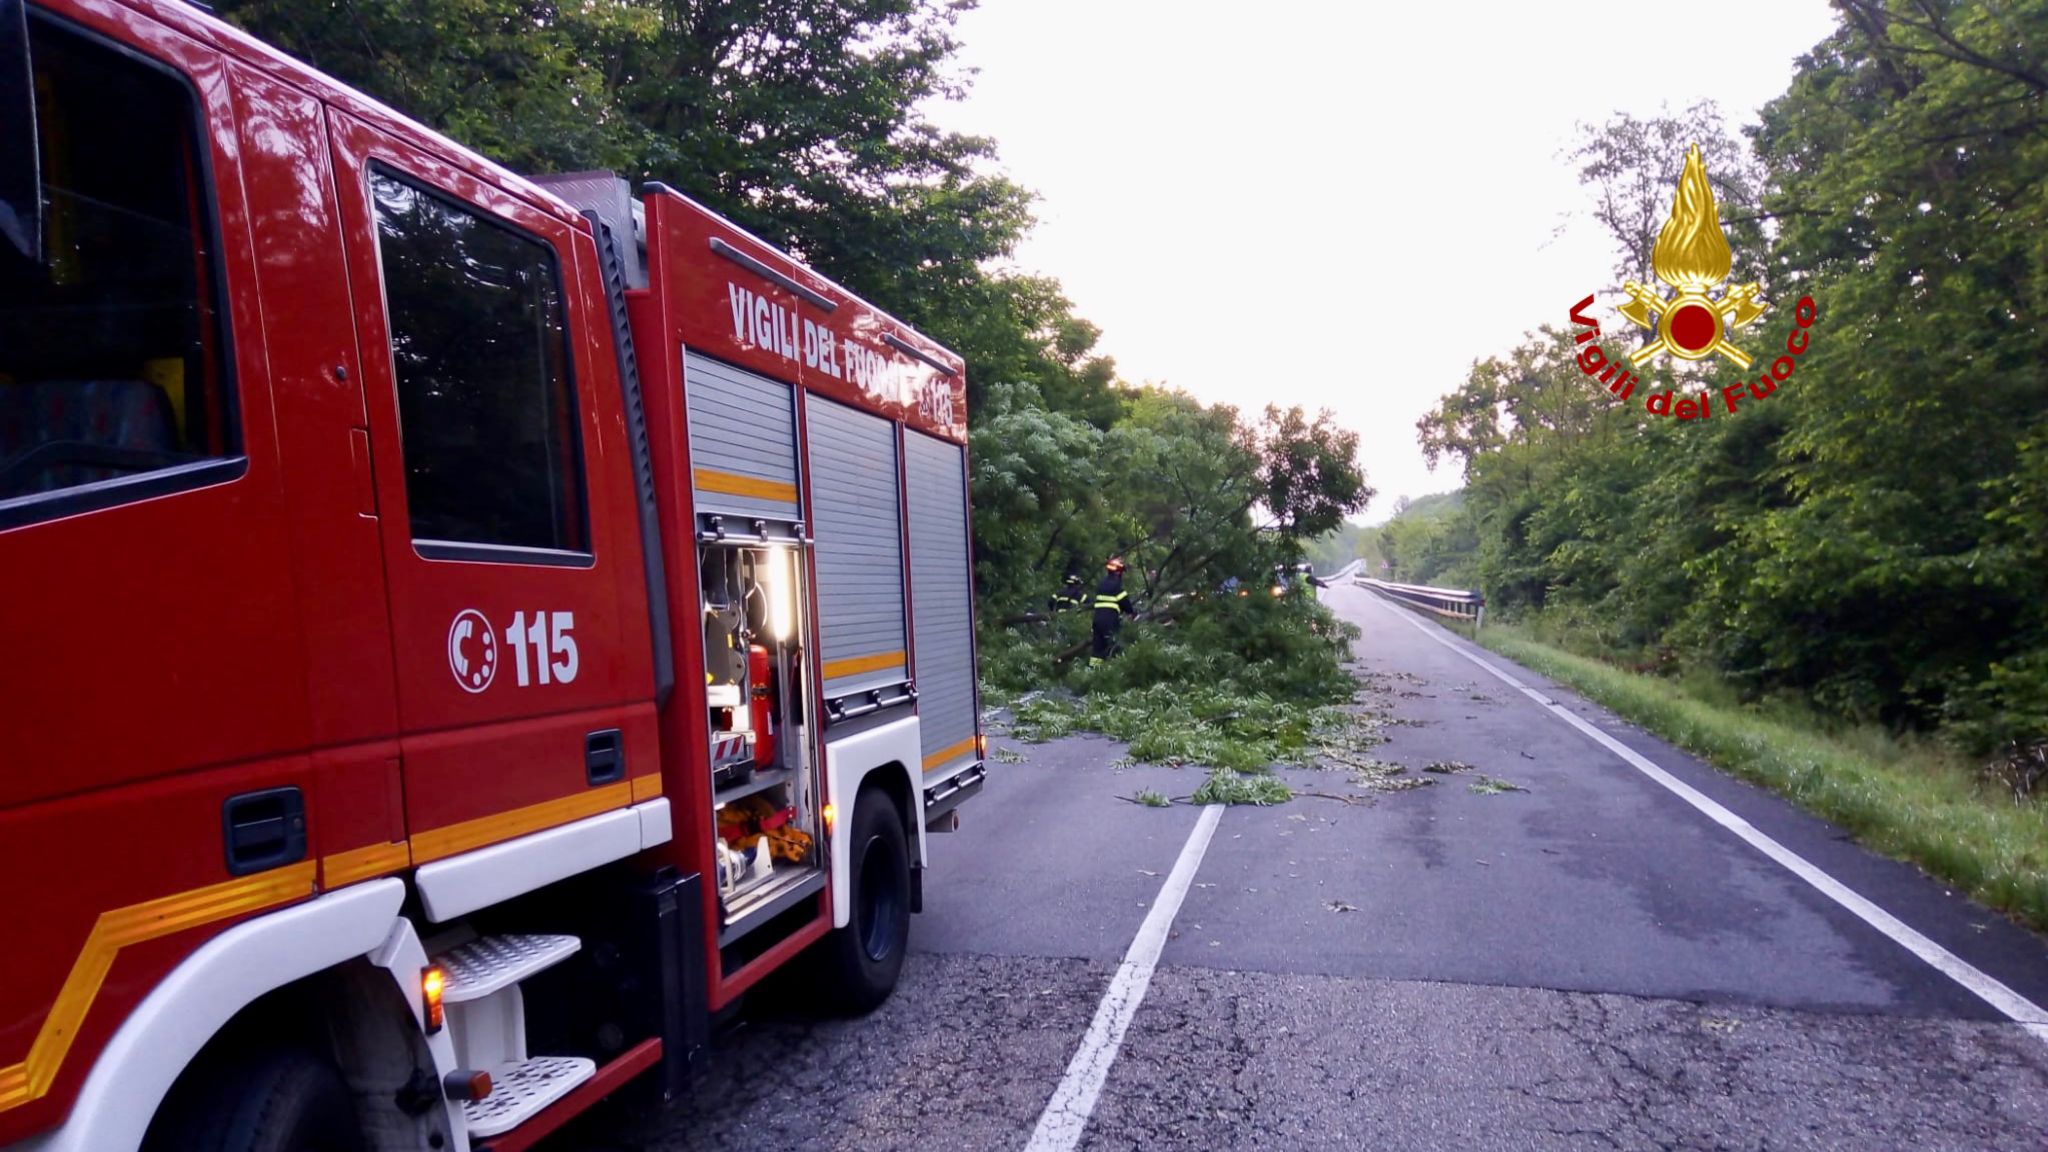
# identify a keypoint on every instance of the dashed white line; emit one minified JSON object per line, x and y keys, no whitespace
{"x":1066,"y":1114}
{"x":1985,"y":987}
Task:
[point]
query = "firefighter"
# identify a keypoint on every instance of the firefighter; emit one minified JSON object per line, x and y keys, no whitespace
{"x":1070,"y":593}
{"x":1112,"y":604}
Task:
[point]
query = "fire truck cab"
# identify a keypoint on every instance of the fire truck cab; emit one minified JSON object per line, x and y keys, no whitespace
{"x":465,"y":631}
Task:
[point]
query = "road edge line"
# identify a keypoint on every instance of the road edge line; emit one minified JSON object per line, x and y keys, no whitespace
{"x":1972,"y":979}
{"x":1066,"y":1115}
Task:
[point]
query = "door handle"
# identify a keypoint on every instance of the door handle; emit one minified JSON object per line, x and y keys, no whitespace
{"x":262,"y":830}
{"x":604,"y":757}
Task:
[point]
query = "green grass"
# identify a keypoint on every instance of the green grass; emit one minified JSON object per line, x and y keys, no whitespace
{"x":1907,"y":799}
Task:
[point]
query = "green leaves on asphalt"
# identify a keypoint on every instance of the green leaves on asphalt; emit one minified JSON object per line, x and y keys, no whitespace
{"x":1206,"y":725}
{"x":1226,"y":787}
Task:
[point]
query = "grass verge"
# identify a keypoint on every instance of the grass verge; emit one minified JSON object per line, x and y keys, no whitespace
{"x":1908,"y":800}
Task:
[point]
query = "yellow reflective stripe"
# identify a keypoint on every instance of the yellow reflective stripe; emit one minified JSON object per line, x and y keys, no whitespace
{"x":450,"y":839}
{"x":733,"y":484}
{"x":946,"y":754}
{"x":855,"y":665}
{"x":339,"y":868}
{"x":646,"y":787}
{"x":135,"y":924}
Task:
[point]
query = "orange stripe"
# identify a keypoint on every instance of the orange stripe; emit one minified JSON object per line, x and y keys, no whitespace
{"x":732,"y":484}
{"x":946,"y":754}
{"x":646,"y":787}
{"x":855,"y":665}
{"x":450,"y":839}
{"x":115,"y":930}
{"x":339,"y":868}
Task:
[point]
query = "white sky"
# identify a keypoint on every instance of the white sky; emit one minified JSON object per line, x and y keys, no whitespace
{"x":1332,"y":204}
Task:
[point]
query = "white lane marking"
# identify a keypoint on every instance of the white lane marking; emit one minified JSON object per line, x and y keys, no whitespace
{"x":1984,"y":986}
{"x":1066,"y":1114}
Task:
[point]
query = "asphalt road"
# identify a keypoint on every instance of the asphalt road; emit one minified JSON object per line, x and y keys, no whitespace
{"x":1586,"y":963}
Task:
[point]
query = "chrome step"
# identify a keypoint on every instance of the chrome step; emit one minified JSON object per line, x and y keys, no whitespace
{"x":520,"y":1090}
{"x":490,"y":963}
{"x":790,"y":884}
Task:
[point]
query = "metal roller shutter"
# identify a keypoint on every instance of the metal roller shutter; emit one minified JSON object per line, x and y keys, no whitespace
{"x":859,"y":548}
{"x":742,"y":441}
{"x":942,"y":602}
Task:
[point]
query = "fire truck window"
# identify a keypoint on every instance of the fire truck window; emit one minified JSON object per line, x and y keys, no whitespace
{"x":112,"y":377}
{"x":480,"y":352}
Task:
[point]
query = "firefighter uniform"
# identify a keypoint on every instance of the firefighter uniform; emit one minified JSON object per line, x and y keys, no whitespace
{"x":1069,"y":595}
{"x":1112,"y":604}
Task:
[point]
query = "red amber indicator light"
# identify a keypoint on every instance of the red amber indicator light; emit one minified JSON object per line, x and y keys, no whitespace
{"x":433,"y":982}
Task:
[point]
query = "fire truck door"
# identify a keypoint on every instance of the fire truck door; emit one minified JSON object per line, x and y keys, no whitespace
{"x":496,"y":455}
{"x":859,"y":553}
{"x":942,"y":601}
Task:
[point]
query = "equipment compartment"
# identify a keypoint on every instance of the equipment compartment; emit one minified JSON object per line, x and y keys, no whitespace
{"x":764,"y":785}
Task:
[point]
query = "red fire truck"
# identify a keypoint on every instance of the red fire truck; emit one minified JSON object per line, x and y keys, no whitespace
{"x":462,"y":632}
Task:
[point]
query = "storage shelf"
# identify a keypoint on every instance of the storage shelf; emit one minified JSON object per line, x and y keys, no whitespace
{"x":760,"y":782}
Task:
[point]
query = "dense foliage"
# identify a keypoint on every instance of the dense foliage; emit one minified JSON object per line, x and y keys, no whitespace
{"x":1191,"y":495}
{"x":1875,"y":534}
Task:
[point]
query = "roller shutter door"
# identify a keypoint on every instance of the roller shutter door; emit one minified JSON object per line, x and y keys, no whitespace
{"x":942,"y":603}
{"x":859,"y":548}
{"x":742,"y":442}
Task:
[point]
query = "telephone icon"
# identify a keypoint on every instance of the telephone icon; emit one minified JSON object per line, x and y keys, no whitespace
{"x":472,"y":650}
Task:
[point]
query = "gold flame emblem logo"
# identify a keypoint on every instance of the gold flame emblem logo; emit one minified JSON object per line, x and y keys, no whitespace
{"x":1692,"y":256}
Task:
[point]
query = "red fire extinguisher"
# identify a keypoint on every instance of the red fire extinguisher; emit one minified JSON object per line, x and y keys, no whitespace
{"x":762,"y":703}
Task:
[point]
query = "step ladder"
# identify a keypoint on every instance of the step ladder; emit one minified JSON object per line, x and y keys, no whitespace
{"x":487,"y":1021}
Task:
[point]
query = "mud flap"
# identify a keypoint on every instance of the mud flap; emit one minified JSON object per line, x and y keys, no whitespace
{"x":674,"y":989}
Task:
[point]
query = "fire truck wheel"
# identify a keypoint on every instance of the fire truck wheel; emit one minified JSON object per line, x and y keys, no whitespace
{"x":862,"y":960}
{"x":284,"y":1100}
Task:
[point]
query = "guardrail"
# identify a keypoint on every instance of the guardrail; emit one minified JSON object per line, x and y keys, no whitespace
{"x":1456,"y":603}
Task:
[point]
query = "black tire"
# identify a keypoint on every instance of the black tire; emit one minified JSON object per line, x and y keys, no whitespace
{"x":281,"y":1100}
{"x":860,"y":962}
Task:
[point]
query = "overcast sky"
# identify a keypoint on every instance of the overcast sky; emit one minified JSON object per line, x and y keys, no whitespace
{"x":1330,"y":204}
